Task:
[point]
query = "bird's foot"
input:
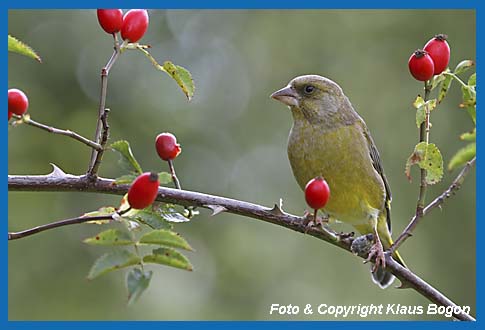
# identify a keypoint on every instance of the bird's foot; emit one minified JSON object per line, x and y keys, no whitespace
{"x":377,"y":251}
{"x":343,"y":235}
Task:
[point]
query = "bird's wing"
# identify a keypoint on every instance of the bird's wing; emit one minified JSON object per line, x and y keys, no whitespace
{"x":376,"y":162}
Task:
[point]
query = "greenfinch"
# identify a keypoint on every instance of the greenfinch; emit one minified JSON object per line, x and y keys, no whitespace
{"x":329,"y":139}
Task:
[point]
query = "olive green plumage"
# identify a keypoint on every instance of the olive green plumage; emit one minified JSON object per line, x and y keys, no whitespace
{"x":330,"y":139}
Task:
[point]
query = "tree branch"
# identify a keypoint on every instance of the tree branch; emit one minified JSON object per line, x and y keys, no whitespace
{"x":97,"y":155}
{"x":29,"y":121}
{"x":455,"y":185}
{"x":58,"y":182}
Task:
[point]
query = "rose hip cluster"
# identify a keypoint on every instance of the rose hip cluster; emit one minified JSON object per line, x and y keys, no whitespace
{"x":431,"y":60}
{"x":132,"y":25}
{"x":18,"y":103}
{"x":144,"y":189}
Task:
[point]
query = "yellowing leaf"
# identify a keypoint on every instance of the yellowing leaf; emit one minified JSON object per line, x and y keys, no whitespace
{"x":165,"y":237}
{"x":110,"y":237}
{"x":427,"y":157}
{"x":17,"y":46}
{"x":169,"y":257}
{"x":182,"y":77}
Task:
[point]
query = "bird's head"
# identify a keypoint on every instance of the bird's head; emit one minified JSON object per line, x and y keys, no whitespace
{"x":312,"y":97}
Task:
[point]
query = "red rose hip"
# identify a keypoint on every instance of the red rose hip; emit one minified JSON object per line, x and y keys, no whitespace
{"x":9,"y":115}
{"x":167,"y":146}
{"x":135,"y":24}
{"x":317,"y":193}
{"x":143,"y":190}
{"x":17,"y":101}
{"x":111,"y":20}
{"x":421,"y":65}
{"x":439,"y":50}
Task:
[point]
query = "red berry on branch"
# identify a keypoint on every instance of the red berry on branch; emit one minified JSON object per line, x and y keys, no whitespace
{"x":167,"y":146}
{"x":317,"y":193}
{"x":439,"y":50}
{"x":17,"y":101}
{"x":421,"y":65}
{"x":135,"y":24}
{"x":110,"y":20}
{"x":143,"y":190}
{"x":9,"y":115}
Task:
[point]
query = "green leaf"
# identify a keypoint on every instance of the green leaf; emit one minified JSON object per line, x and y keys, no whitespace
{"x":164,"y":178}
{"x":165,"y":237}
{"x":149,"y":218}
{"x":436,"y":80}
{"x":125,"y":179}
{"x":472,"y":80}
{"x":169,"y":257}
{"x":103,"y":211}
{"x":110,"y":237}
{"x":127,"y":158}
{"x":445,"y":87}
{"x":137,"y":282}
{"x":462,"y":156}
{"x":427,"y":157}
{"x":182,"y":76}
{"x":112,"y":261}
{"x":463,"y":66}
{"x":469,"y":98}
{"x":17,"y":46}
{"x":469,"y":136}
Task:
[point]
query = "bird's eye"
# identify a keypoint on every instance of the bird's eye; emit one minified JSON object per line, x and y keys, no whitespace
{"x":309,"y":89}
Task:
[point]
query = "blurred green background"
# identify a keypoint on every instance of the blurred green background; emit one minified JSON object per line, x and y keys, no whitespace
{"x":234,"y":144}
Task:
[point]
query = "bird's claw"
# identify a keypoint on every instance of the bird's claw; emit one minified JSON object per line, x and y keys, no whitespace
{"x":377,"y":251}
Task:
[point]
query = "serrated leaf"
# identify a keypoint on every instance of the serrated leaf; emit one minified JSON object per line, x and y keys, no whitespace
{"x":137,"y":282}
{"x":182,"y":76}
{"x":164,"y":177}
{"x":19,"y":47}
{"x":112,"y":261}
{"x":125,"y":179}
{"x":445,"y":87}
{"x":469,"y":136}
{"x":462,"y":156}
{"x":127,"y":158}
{"x":463,"y":66}
{"x":169,"y":257}
{"x":110,"y":237}
{"x":427,"y":157}
{"x":103,"y":211}
{"x":165,"y":237}
{"x":149,"y":218}
{"x":421,"y":110}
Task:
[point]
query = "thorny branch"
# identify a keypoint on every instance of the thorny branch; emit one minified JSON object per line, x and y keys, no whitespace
{"x":59,"y":181}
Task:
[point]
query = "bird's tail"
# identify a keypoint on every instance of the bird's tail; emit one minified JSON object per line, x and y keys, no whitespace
{"x":381,"y":277}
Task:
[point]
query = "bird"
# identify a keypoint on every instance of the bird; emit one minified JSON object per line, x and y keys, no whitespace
{"x":330,"y":139}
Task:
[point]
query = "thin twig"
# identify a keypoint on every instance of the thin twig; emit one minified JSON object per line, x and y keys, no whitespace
{"x":423,"y":136}
{"x":175,"y":180}
{"x":29,"y":121}
{"x":272,"y":215}
{"x":455,"y":185}
{"x":93,"y":170}
{"x":104,"y":140}
{"x":61,"y":223}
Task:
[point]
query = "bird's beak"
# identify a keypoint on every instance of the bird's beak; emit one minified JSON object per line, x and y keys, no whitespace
{"x":286,"y":95}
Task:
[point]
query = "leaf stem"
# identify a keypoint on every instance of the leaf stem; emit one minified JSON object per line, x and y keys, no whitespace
{"x":27,"y":120}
